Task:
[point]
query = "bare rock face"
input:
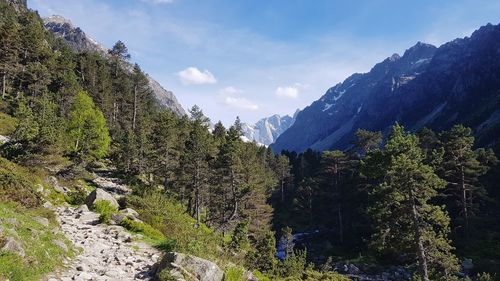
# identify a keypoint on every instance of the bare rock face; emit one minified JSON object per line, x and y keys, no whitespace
{"x":11,"y":245}
{"x":100,"y":194}
{"x":187,"y":267}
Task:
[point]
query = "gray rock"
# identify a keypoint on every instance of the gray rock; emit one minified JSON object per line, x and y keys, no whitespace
{"x":42,"y":221}
{"x":11,"y":221}
{"x":61,"y":245}
{"x":100,"y":194}
{"x":57,"y":187}
{"x":187,"y":266}
{"x":11,"y":245}
{"x":83,"y":208}
{"x":47,"y":205}
{"x":3,"y":139}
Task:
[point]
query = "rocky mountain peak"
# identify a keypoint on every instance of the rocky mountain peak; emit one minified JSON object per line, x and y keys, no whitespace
{"x":268,"y":129}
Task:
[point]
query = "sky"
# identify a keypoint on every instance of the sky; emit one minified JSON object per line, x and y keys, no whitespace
{"x":256,"y":58}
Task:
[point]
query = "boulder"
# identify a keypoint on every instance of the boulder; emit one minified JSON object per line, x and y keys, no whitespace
{"x":100,"y":194}
{"x":82,"y":209}
{"x":42,"y":221}
{"x":61,"y":245}
{"x":128,"y":213}
{"x":4,"y":139}
{"x":11,"y":245}
{"x":187,"y":267}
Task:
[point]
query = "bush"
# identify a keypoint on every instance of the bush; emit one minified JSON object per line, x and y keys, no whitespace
{"x":234,"y":274}
{"x":17,"y":185}
{"x":171,"y":219}
{"x":7,"y":124}
{"x":142,"y":228}
{"x":77,"y":197}
{"x":105,"y":210}
{"x":165,"y":275}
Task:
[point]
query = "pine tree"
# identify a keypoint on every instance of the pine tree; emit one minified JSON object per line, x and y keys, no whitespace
{"x":10,"y":47}
{"x":462,"y":169}
{"x":333,"y":169}
{"x":195,"y":161}
{"x":367,"y":141}
{"x":406,"y":220}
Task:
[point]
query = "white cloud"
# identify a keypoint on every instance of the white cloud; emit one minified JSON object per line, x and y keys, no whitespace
{"x":158,"y":1}
{"x":229,"y":97}
{"x":194,"y":76}
{"x":291,"y":92}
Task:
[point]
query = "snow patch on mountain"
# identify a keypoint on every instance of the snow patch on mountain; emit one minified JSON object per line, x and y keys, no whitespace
{"x":268,"y":129}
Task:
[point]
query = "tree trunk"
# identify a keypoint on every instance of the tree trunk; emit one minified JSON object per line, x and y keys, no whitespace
{"x":463,"y":193}
{"x":282,"y":189}
{"x":341,"y":226}
{"x":135,"y":108}
{"x":3,"y":85}
{"x":422,"y":260}
{"x":197,"y":195}
{"x":235,"y":199}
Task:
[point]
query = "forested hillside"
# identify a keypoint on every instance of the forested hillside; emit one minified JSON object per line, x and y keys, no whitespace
{"x":413,"y":206}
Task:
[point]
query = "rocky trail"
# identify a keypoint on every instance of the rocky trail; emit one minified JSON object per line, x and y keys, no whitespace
{"x":106,"y":252}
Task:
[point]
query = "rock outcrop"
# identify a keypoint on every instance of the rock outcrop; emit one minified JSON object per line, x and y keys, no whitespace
{"x":13,"y":246}
{"x":268,"y":129}
{"x":100,"y":195}
{"x":186,"y":267}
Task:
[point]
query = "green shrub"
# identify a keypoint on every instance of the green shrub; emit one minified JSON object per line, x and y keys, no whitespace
{"x":171,"y":219}
{"x":142,"y":228}
{"x":485,"y":277}
{"x":167,"y":246}
{"x":259,"y":275}
{"x":77,"y":197}
{"x":7,"y":124}
{"x":234,"y":274}
{"x":165,"y":275}
{"x":105,"y":210}
{"x":17,"y":185}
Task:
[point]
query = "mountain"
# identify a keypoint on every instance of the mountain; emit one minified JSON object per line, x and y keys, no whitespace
{"x":79,"y":41}
{"x":459,"y":82}
{"x":268,"y":129}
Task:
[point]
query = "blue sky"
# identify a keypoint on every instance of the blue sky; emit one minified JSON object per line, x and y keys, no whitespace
{"x":255,"y":58}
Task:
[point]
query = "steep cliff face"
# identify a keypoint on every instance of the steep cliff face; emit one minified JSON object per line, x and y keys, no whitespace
{"x":268,"y":129}
{"x":459,"y":82}
{"x":79,"y":41}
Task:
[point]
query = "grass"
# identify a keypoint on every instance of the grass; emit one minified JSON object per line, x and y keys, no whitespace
{"x":142,"y":228}
{"x":42,"y":255}
{"x":18,"y":185}
{"x":169,"y":217}
{"x":234,"y":273}
{"x":7,"y":124}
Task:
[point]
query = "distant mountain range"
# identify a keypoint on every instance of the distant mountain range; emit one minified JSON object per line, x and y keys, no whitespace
{"x":79,"y":41}
{"x":268,"y":129}
{"x":459,"y":82}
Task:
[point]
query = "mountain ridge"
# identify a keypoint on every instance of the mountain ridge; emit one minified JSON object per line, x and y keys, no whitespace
{"x":268,"y":129}
{"x":427,"y":86}
{"x":79,"y":41}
